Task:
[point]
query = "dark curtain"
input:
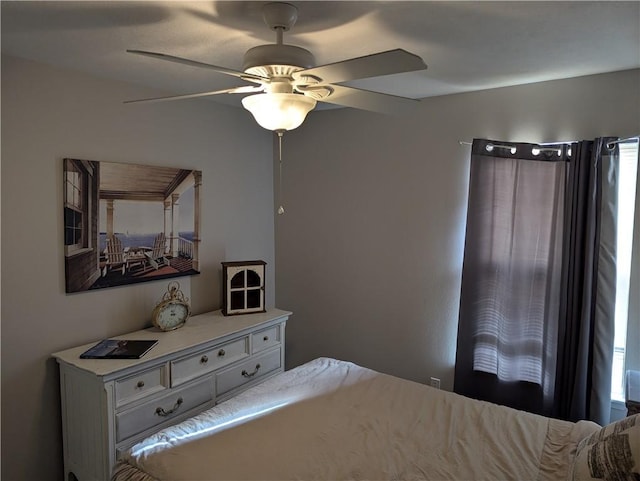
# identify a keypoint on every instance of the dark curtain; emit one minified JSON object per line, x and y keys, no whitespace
{"x":536,"y":318}
{"x":586,"y":335}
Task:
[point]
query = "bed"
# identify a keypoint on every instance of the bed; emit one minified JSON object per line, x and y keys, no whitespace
{"x":335,"y":420}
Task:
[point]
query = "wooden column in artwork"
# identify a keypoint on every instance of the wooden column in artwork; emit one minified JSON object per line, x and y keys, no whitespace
{"x":197,"y":178}
{"x":175,"y":217}
{"x":167,"y":219}
{"x":110,"y":209}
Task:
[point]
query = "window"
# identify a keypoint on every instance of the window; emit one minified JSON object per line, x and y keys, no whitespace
{"x":626,"y":208}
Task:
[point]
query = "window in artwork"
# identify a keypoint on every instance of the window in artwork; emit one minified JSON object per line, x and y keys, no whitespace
{"x":74,"y":207}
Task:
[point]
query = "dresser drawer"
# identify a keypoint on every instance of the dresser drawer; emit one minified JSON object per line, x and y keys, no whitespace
{"x":265,"y":339}
{"x":141,"y":384}
{"x":187,"y":368}
{"x":178,"y":401}
{"x":247,"y":371}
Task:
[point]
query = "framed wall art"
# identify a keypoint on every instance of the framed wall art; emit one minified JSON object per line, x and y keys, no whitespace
{"x":128,"y":223}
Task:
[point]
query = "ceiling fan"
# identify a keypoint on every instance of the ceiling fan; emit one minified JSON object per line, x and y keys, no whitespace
{"x":289,"y":84}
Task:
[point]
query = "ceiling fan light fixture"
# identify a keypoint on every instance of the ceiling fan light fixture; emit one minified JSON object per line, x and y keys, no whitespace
{"x":279,"y":111}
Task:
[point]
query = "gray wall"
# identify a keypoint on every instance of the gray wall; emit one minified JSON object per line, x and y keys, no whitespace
{"x":49,"y":114}
{"x":370,"y":250}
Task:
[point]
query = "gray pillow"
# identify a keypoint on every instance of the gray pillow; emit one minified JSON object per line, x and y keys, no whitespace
{"x":612,"y":453}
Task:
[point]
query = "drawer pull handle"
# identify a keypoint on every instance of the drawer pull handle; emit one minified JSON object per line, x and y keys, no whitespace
{"x":140,"y":384}
{"x":251,"y":374}
{"x":265,"y":338}
{"x":221,"y":352}
{"x":204,"y":360}
{"x":162,"y":412}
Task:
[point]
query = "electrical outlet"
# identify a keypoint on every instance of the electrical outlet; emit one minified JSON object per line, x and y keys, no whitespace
{"x":435,"y":382}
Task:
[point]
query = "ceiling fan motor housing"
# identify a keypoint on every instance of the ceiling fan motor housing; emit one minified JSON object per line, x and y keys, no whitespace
{"x":260,"y":60}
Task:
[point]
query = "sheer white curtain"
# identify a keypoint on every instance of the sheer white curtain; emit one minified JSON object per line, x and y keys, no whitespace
{"x":516,"y":240}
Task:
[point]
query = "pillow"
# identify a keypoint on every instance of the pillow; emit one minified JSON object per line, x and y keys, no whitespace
{"x":612,"y":453}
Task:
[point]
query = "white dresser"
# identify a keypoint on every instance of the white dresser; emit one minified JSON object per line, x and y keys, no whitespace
{"x":110,"y":404}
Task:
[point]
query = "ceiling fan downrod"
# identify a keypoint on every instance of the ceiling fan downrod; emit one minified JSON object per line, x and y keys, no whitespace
{"x":263,"y":59}
{"x":280,"y":17}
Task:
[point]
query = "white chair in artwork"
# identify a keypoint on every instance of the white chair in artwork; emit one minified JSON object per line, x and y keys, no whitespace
{"x":156,"y":256}
{"x":116,"y":257}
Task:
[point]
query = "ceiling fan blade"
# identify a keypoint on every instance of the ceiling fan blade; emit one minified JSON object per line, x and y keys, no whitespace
{"x":236,"y":90}
{"x":367,"y":100}
{"x":194,"y":63}
{"x":374,"y":65}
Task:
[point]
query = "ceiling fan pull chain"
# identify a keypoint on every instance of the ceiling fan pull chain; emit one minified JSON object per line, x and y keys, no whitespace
{"x":280,"y":209}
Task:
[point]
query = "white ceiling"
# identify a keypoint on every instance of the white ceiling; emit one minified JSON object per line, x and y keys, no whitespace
{"x":467,"y":45}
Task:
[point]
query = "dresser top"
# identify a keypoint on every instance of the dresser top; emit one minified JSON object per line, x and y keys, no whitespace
{"x":198,"y":329}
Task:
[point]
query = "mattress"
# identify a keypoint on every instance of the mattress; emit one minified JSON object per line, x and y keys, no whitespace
{"x":335,"y":420}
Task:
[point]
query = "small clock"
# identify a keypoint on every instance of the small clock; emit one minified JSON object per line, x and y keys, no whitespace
{"x":173,"y":310}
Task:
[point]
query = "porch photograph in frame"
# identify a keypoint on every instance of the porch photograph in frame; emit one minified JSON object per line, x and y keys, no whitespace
{"x":128,"y":223}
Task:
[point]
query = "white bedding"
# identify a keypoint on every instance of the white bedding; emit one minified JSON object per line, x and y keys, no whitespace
{"x":334,"y":420}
